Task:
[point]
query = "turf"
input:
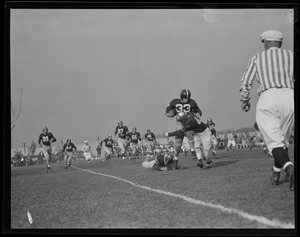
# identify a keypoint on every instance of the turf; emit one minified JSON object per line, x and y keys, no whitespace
{"x":75,"y":198}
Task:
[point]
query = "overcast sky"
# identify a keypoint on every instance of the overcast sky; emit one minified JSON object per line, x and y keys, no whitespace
{"x":82,"y":70}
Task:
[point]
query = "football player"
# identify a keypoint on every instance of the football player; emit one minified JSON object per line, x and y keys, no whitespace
{"x":134,"y":139}
{"x":107,"y":148}
{"x":211,"y":125}
{"x":159,"y":162}
{"x":45,"y":140}
{"x":121,"y":131}
{"x":202,"y":136}
{"x":68,"y":150}
{"x":184,"y":104}
{"x":150,"y":142}
{"x":231,"y":140}
{"x":87,"y":151}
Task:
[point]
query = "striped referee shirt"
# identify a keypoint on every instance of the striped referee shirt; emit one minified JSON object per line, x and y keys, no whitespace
{"x":272,"y":68}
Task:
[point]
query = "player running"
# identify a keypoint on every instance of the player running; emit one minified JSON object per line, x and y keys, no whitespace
{"x":107,"y":148}
{"x":187,"y":105}
{"x":68,"y":150}
{"x":202,"y":136}
{"x":134,"y":138}
{"x":231,"y":141}
{"x":121,"y":131}
{"x":87,"y":151}
{"x":150,"y":141}
{"x":45,"y":140}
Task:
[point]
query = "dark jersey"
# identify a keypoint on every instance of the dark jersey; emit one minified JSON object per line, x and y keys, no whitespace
{"x":134,"y":137}
{"x":121,"y":131}
{"x":213,"y":132}
{"x":191,"y":123}
{"x":179,"y":106}
{"x":46,"y":139}
{"x":150,"y":136}
{"x":69,"y":147}
{"x":108,"y":142}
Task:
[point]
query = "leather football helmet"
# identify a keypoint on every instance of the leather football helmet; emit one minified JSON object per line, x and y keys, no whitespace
{"x":185,"y":94}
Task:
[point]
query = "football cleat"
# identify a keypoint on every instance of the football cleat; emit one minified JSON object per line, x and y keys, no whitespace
{"x":209,"y":161}
{"x":200,"y":163}
{"x":275,"y":178}
{"x":208,"y":164}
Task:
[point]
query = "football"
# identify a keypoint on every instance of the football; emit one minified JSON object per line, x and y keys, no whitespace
{"x":181,"y":116}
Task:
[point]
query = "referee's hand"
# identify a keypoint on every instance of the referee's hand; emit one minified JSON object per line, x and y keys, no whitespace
{"x":245,"y":106}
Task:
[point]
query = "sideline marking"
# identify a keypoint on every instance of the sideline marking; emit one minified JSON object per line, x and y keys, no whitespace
{"x":260,"y":219}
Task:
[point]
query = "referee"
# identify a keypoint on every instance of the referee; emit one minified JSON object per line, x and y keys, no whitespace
{"x":273,"y":69}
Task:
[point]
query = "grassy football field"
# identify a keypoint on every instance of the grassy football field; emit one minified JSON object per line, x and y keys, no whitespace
{"x":235,"y":193}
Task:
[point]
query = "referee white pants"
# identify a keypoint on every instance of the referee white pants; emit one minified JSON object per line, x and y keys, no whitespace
{"x":275,"y":116}
{"x":203,"y":138}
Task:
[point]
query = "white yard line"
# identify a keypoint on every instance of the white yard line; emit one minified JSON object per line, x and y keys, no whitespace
{"x":260,"y":219}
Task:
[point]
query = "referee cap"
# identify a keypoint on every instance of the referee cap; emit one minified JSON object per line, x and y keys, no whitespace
{"x":85,"y":141}
{"x":271,"y":35}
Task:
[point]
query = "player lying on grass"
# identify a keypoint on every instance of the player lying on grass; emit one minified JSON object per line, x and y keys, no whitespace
{"x":202,"y":135}
{"x":160,"y":162}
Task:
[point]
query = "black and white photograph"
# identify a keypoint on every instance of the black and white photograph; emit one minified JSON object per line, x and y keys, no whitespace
{"x":150,"y":117}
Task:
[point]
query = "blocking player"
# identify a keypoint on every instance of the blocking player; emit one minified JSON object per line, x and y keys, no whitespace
{"x":121,"y":132}
{"x":107,"y":148}
{"x":159,"y":162}
{"x":184,"y":104}
{"x":134,"y":138}
{"x":202,"y":136}
{"x":68,"y":150}
{"x":45,"y":140}
{"x":150,"y":141}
